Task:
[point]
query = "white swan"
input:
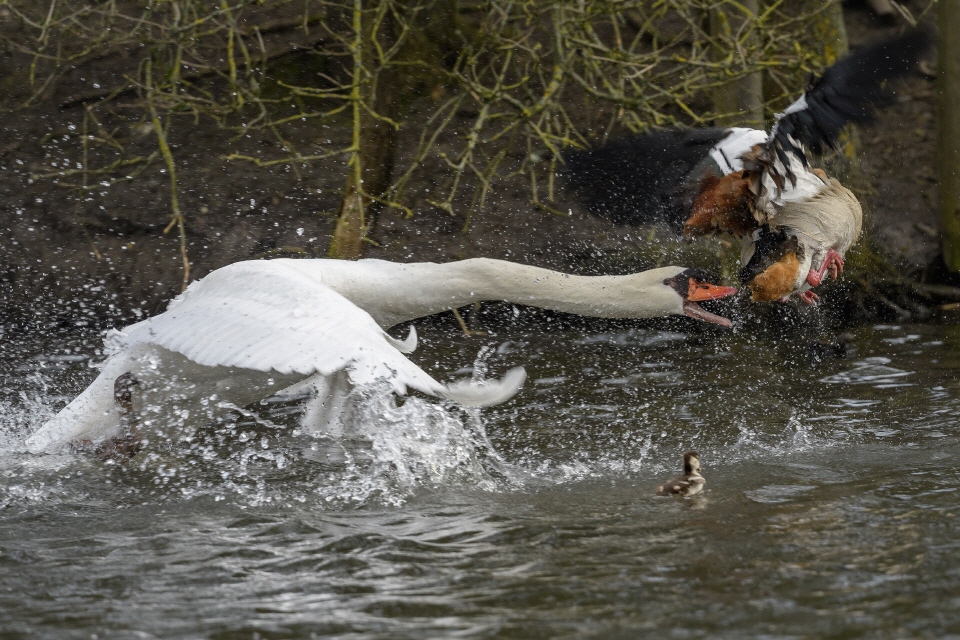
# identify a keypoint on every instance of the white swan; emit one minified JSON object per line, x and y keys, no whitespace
{"x":251,"y":329}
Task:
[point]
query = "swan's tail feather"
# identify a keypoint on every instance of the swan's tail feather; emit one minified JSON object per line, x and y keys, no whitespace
{"x":485,"y":394}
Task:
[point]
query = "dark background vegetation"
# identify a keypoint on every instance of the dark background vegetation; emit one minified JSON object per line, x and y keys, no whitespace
{"x":146,"y":143}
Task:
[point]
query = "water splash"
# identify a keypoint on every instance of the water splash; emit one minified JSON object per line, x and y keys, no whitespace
{"x":23,"y":415}
{"x":629,"y":414}
{"x":392,"y":449}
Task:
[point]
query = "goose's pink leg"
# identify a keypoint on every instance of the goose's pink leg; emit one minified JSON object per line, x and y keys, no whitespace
{"x":809,"y":297}
{"x":832,"y":262}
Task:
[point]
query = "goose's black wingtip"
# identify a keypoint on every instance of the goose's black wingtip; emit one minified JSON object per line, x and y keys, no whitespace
{"x":866,"y":68}
{"x":850,"y":91}
{"x":639,"y":179}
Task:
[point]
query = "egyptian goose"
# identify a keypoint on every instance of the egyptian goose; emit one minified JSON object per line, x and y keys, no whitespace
{"x":796,"y":222}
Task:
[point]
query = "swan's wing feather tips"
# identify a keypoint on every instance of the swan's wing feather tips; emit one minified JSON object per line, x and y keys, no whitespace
{"x":91,"y":415}
{"x":486,"y":394}
{"x":408,"y":345}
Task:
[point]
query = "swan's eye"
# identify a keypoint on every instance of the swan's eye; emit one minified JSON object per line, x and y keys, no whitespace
{"x":679,"y":283}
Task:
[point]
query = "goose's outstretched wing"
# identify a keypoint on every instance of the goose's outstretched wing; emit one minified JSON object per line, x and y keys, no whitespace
{"x":267,"y":316}
{"x":848,"y":91}
{"x":640,"y":179}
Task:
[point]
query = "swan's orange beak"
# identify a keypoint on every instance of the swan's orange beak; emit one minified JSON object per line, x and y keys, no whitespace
{"x":701,"y":291}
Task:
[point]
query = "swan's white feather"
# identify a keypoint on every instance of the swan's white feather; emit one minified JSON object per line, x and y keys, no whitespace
{"x":269,"y":317}
{"x":249,"y":330}
{"x":486,"y":394}
{"x":409,"y":344}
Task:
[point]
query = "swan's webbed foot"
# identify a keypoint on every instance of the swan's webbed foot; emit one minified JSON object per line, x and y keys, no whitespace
{"x":463,"y":325}
{"x":119,"y":448}
{"x":129,"y":441}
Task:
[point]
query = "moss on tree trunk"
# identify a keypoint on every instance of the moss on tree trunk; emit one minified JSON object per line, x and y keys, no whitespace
{"x":741,"y":101}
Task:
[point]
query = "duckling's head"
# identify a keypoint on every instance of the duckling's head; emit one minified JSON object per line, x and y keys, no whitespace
{"x":691,"y":462}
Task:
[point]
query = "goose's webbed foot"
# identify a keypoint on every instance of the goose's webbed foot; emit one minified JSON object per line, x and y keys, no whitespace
{"x":832,"y":263}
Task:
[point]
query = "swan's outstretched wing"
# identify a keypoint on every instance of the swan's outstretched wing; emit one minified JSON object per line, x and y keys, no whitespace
{"x":265,"y":316}
{"x":268,"y":316}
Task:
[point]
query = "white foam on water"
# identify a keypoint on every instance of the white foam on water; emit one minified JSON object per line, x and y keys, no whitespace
{"x":872,"y":371}
{"x":410,"y":445}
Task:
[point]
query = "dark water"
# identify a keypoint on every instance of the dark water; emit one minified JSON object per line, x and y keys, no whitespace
{"x":831,"y":509}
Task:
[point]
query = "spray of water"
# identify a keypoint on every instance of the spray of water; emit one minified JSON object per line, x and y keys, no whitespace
{"x":569,"y":428}
{"x":34,"y":404}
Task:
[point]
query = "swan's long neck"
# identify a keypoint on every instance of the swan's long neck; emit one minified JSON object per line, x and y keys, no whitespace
{"x":393,"y":293}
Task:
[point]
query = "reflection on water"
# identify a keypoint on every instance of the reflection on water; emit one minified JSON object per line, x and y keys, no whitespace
{"x":831,"y":506}
{"x":873,"y":371}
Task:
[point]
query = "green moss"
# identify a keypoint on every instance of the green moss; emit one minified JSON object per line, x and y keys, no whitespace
{"x":866,"y":260}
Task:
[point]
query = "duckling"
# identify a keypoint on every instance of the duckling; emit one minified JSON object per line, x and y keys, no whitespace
{"x":690,"y":483}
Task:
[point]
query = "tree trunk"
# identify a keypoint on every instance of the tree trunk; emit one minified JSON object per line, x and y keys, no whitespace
{"x":347,"y":241}
{"x":741,"y":101}
{"x":375,"y":88}
{"x":948,"y":133}
{"x":830,"y":33}
{"x":380,"y":88}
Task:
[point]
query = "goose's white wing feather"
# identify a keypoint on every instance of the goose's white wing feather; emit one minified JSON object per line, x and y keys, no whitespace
{"x":267,"y":316}
{"x":738,"y":141}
